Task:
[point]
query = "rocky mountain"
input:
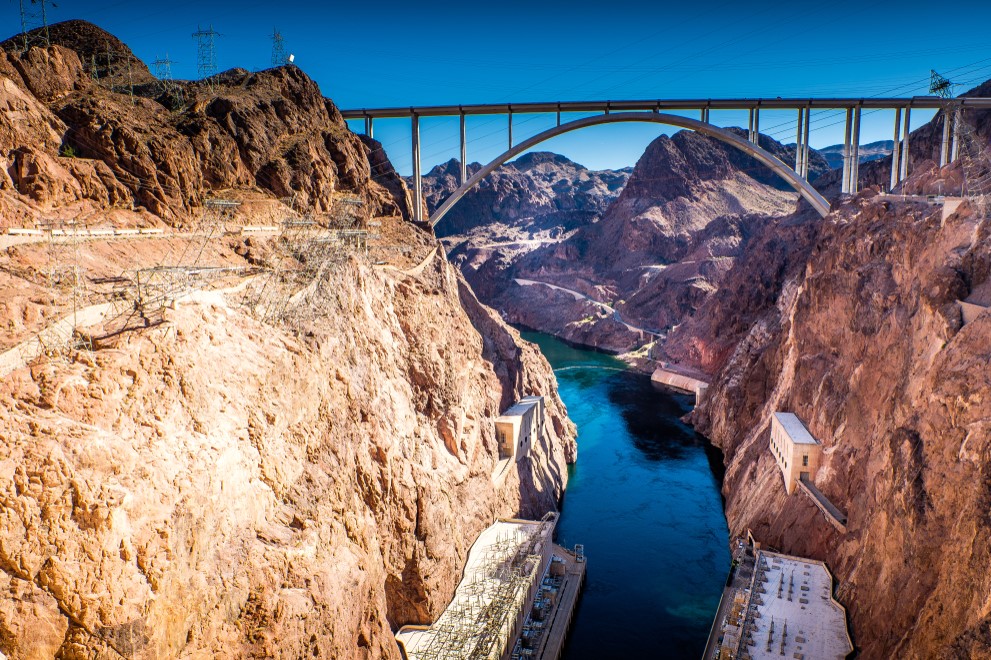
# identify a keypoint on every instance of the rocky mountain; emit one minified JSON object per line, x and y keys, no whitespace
{"x":867,"y":152}
{"x":655,"y":252}
{"x":76,"y":139}
{"x":207,"y":478}
{"x":537,"y":192}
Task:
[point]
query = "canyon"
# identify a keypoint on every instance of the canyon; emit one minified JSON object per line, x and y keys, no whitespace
{"x":292,"y":453}
{"x":851,"y":321}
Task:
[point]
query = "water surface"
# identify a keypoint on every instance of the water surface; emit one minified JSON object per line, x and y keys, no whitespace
{"x":645,"y":502}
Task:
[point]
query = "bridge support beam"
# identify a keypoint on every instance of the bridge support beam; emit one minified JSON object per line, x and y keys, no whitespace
{"x":955,"y":146}
{"x":417,"y":175}
{"x":805,"y":144}
{"x":855,"y":155}
{"x":798,"y":141}
{"x":368,"y":128}
{"x":510,"y":129}
{"x":944,"y":145}
{"x":895,"y":151}
{"x":464,"y":151}
{"x":847,"y":152}
{"x":905,"y":132}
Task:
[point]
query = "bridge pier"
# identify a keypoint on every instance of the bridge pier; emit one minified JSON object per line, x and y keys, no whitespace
{"x":805,"y":144}
{"x":895,"y":151}
{"x":417,"y":176}
{"x":904,"y":156}
{"x":955,"y":147}
{"x":464,"y":151}
{"x":847,"y":152}
{"x":368,"y":127}
{"x":944,"y":146}
{"x":753,"y":125}
{"x":855,"y":158}
{"x":798,"y":141}
{"x":510,"y":115}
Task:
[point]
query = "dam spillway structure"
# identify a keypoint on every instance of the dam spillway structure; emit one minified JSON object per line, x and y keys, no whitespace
{"x":518,"y":591}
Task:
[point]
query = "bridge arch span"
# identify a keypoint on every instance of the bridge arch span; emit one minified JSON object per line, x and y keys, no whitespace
{"x":802,"y":186}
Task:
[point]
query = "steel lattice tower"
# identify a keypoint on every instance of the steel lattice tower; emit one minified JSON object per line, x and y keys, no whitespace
{"x":279,"y":56}
{"x":206,"y":53}
{"x":34,"y":14}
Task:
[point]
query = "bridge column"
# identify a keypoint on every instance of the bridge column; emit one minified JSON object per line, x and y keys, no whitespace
{"x":368,"y":127}
{"x":464,"y":151}
{"x":855,"y":155}
{"x":845,"y":185}
{"x":750,"y":125}
{"x":805,"y":143}
{"x":417,"y":178}
{"x":895,"y":151}
{"x":905,"y":130}
{"x":756,"y":139}
{"x":944,"y":146}
{"x":955,"y":147}
{"x":510,"y":129}
{"x":798,"y":141}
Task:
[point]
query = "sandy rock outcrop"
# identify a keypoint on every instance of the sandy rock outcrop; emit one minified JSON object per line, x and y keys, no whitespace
{"x":220,"y":487}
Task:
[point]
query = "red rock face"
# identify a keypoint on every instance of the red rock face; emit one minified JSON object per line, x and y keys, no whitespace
{"x":863,"y":340}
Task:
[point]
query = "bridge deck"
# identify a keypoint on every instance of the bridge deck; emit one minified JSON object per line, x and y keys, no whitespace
{"x":658,"y":105}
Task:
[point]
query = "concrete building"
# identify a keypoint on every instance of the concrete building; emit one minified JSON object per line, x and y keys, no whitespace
{"x":797,"y":453}
{"x":519,"y":427}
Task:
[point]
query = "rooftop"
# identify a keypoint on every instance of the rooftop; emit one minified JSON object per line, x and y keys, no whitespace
{"x":795,"y":429}
{"x":522,"y":406}
{"x":793,"y":613}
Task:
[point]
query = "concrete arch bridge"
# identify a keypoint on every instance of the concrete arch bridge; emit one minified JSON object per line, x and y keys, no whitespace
{"x":658,"y":112}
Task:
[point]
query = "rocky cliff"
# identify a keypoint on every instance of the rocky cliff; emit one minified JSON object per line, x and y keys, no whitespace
{"x":864,"y":341}
{"x":216,"y":482}
{"x":77,"y":137}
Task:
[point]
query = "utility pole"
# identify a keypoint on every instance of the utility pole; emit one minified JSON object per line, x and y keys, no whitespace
{"x":278,"y":49}
{"x":206,"y":53}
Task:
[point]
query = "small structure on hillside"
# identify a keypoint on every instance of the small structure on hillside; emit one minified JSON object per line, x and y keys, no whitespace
{"x":796,"y":451}
{"x":799,"y":456}
{"x":519,"y":427}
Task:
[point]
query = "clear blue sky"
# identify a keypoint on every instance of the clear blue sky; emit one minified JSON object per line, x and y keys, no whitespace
{"x":367,"y":54}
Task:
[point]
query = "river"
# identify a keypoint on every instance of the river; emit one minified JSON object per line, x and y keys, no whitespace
{"x":644,"y":500}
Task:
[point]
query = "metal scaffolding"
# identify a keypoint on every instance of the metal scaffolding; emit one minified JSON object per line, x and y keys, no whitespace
{"x":306,"y":253}
{"x":65,"y":281}
{"x":965,"y":145}
{"x":479,"y":622}
{"x":140,"y":297}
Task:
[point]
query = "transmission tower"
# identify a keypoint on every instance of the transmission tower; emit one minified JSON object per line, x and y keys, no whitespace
{"x":940,"y":86}
{"x":279,"y":56}
{"x":968,"y":146}
{"x":168,"y":86}
{"x":206,"y":53}
{"x":34,"y":14}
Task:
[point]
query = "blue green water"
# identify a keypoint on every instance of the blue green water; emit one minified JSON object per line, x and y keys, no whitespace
{"x":644,"y":500}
